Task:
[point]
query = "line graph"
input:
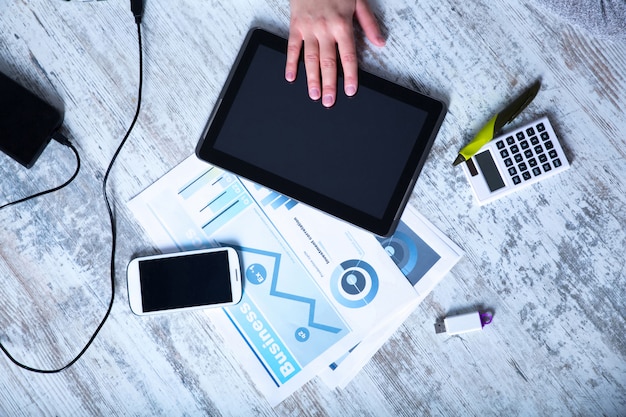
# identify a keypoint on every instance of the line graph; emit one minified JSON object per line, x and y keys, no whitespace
{"x":256,"y":274}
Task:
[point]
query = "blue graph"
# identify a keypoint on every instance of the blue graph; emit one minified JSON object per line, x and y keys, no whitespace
{"x":256,"y":274}
{"x":354,"y":283}
{"x":276,"y":200}
{"x":410,"y":253}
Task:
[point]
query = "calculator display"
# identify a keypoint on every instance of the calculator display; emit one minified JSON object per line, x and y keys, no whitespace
{"x":490,"y":170}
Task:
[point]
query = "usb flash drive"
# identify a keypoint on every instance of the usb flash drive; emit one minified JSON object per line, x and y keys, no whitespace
{"x":463,"y":323}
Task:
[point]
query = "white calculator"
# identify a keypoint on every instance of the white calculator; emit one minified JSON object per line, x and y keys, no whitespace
{"x":515,"y":160}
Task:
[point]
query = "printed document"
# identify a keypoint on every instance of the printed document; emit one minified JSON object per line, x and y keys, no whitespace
{"x":314,"y":286}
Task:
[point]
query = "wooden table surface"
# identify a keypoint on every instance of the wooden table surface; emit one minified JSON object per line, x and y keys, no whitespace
{"x":548,"y":261}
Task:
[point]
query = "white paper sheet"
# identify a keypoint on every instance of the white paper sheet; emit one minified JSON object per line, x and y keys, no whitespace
{"x":315,"y":286}
{"x":425,"y":256}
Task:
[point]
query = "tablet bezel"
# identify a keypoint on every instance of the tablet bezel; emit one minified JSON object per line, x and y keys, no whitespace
{"x":383,"y":226}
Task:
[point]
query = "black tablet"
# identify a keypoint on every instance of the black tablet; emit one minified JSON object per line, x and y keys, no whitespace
{"x":357,"y":160}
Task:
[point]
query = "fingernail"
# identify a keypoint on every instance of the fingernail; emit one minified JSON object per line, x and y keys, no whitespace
{"x":290,"y":76}
{"x":314,"y":93}
{"x":328,"y":100}
{"x":350,"y":90}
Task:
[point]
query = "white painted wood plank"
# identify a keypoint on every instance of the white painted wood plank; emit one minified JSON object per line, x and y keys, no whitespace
{"x":549,"y":261}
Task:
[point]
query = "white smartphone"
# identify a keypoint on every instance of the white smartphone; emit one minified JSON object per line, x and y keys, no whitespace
{"x":184,"y":281}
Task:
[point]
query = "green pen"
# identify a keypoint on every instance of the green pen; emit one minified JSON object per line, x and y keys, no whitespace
{"x":497,"y":122}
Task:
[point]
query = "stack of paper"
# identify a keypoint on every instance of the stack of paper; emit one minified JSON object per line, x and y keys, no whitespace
{"x":320,"y":296}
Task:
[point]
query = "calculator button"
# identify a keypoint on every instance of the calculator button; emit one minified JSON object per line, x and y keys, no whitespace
{"x":541,"y":127}
{"x":512,"y":171}
{"x":530,"y":131}
{"x":522,"y":167}
{"x":516,"y":180}
{"x":532,"y":162}
{"x":514,"y":149}
{"x":549,"y":144}
{"x":510,"y":140}
{"x":536,"y":171}
{"x":543,"y":158}
{"x":508,"y":162}
{"x":534,"y":140}
{"x":557,"y":163}
{"x":552,"y":154}
{"x":519,"y":157}
{"x":546,"y":167}
{"x":545,"y":136}
{"x":500,"y":144}
{"x":504,"y":153}
{"x":538,"y":149}
{"x":528,"y":153}
{"x":526,"y":175}
{"x":524,"y":144}
{"x":520,"y":135}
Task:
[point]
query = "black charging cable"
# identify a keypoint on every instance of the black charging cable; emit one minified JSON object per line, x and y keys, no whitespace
{"x":137,"y":10}
{"x":59,"y":137}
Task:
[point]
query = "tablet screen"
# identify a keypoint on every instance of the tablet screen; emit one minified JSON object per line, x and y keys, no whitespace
{"x":356,"y":160}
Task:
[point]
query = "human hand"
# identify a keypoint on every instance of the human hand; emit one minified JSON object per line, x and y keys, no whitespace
{"x":324,"y":26}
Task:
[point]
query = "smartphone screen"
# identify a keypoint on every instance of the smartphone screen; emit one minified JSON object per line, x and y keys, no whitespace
{"x":190,"y":280}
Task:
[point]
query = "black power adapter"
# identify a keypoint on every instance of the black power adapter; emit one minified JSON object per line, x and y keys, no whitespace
{"x":27,"y":123}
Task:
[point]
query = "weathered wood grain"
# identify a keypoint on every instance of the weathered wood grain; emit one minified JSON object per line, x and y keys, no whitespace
{"x":550,"y":262}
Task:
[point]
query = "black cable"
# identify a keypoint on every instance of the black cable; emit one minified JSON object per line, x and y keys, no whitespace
{"x":63,"y":140}
{"x":137,"y":14}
